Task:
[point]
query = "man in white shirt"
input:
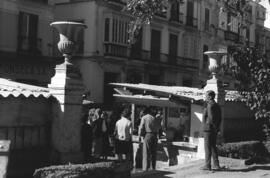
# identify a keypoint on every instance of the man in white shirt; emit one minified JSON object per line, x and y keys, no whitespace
{"x":123,"y":134}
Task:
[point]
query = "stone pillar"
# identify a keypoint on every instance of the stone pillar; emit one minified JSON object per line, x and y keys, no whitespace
{"x":66,"y":86}
{"x":213,"y":84}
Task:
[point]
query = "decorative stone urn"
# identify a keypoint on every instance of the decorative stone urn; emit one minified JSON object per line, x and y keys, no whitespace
{"x":214,"y":61}
{"x":67,"y":87}
{"x":68,"y":32}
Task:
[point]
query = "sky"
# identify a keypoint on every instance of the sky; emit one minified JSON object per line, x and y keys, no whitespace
{"x":266,"y":4}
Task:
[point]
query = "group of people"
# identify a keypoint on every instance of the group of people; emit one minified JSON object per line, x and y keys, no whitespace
{"x":99,"y":126}
{"x":95,"y":134}
{"x":97,"y":131}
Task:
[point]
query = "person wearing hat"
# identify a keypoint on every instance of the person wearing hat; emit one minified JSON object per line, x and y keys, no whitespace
{"x":211,"y":124}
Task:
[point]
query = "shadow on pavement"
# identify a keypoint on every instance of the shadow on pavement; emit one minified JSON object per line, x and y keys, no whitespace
{"x":253,"y":168}
{"x":152,"y":174}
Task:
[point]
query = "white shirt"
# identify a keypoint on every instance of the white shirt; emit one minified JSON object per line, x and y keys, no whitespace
{"x":123,"y":129}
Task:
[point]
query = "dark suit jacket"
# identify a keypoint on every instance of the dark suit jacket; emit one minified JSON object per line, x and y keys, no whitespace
{"x":211,"y":117}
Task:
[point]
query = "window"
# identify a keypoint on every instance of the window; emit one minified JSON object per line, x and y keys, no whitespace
{"x":155,"y":44}
{"x":206,"y":19}
{"x":119,"y":31}
{"x":232,"y":23}
{"x":190,"y":10}
{"x":186,"y":45}
{"x":136,"y":48}
{"x":173,"y":45}
{"x":115,"y":37}
{"x":79,"y":49}
{"x":205,"y":58}
{"x":107,"y":30}
{"x":27,"y":33}
{"x":175,"y":12}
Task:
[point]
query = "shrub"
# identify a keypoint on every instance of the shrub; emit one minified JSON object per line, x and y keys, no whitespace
{"x":96,"y":170}
{"x":242,"y":150}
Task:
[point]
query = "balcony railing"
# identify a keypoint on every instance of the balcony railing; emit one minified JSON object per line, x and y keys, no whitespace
{"x":29,"y":45}
{"x":231,"y":36}
{"x":191,"y":21}
{"x":120,"y":51}
{"x":115,"y":50}
{"x":177,"y":18}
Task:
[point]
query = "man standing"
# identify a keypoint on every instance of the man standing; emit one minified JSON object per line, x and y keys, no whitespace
{"x":123,"y":133}
{"x":149,"y":128}
{"x":211,"y":124}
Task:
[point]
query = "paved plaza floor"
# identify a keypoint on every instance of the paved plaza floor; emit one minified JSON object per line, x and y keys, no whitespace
{"x":232,"y":168}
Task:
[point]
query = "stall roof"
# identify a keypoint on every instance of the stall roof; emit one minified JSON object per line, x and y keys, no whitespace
{"x":189,"y":93}
{"x":145,"y":99}
{"x":16,"y":89}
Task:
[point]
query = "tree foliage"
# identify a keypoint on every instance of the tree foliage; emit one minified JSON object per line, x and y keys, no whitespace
{"x":252,"y":70}
{"x":143,"y":11}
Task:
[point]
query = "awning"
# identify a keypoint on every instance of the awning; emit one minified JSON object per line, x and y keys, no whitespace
{"x":145,"y":100}
{"x":183,"y":93}
{"x":16,"y":89}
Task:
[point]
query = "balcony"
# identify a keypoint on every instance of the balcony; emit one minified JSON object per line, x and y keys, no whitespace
{"x":179,"y":18}
{"x":231,"y":36}
{"x":29,"y":45}
{"x":115,"y":50}
{"x":120,"y":51}
{"x":191,"y":21}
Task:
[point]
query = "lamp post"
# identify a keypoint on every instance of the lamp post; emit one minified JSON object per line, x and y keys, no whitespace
{"x":66,"y":86}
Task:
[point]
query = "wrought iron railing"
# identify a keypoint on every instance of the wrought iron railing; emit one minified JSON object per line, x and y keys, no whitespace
{"x":120,"y":51}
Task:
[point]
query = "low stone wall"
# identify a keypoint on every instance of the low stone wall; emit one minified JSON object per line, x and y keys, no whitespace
{"x":95,"y":170}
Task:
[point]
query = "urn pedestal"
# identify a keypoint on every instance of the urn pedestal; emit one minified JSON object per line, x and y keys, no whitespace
{"x":66,"y":86}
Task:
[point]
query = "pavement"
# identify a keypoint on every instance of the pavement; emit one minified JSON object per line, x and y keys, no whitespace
{"x":232,"y":168}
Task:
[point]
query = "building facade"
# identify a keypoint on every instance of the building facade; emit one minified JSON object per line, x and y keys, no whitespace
{"x":26,"y":41}
{"x":169,"y":51}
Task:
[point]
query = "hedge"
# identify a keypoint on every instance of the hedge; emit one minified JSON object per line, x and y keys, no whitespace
{"x":95,"y":170}
{"x":242,"y":150}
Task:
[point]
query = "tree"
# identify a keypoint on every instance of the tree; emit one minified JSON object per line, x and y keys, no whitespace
{"x":143,"y":11}
{"x":252,"y":70}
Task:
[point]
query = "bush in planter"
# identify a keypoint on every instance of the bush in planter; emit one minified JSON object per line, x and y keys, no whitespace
{"x":242,"y":150}
{"x":96,"y":170}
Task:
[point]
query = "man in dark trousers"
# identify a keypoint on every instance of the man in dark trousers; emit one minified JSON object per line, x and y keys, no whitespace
{"x":149,"y":128}
{"x":211,"y":124}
